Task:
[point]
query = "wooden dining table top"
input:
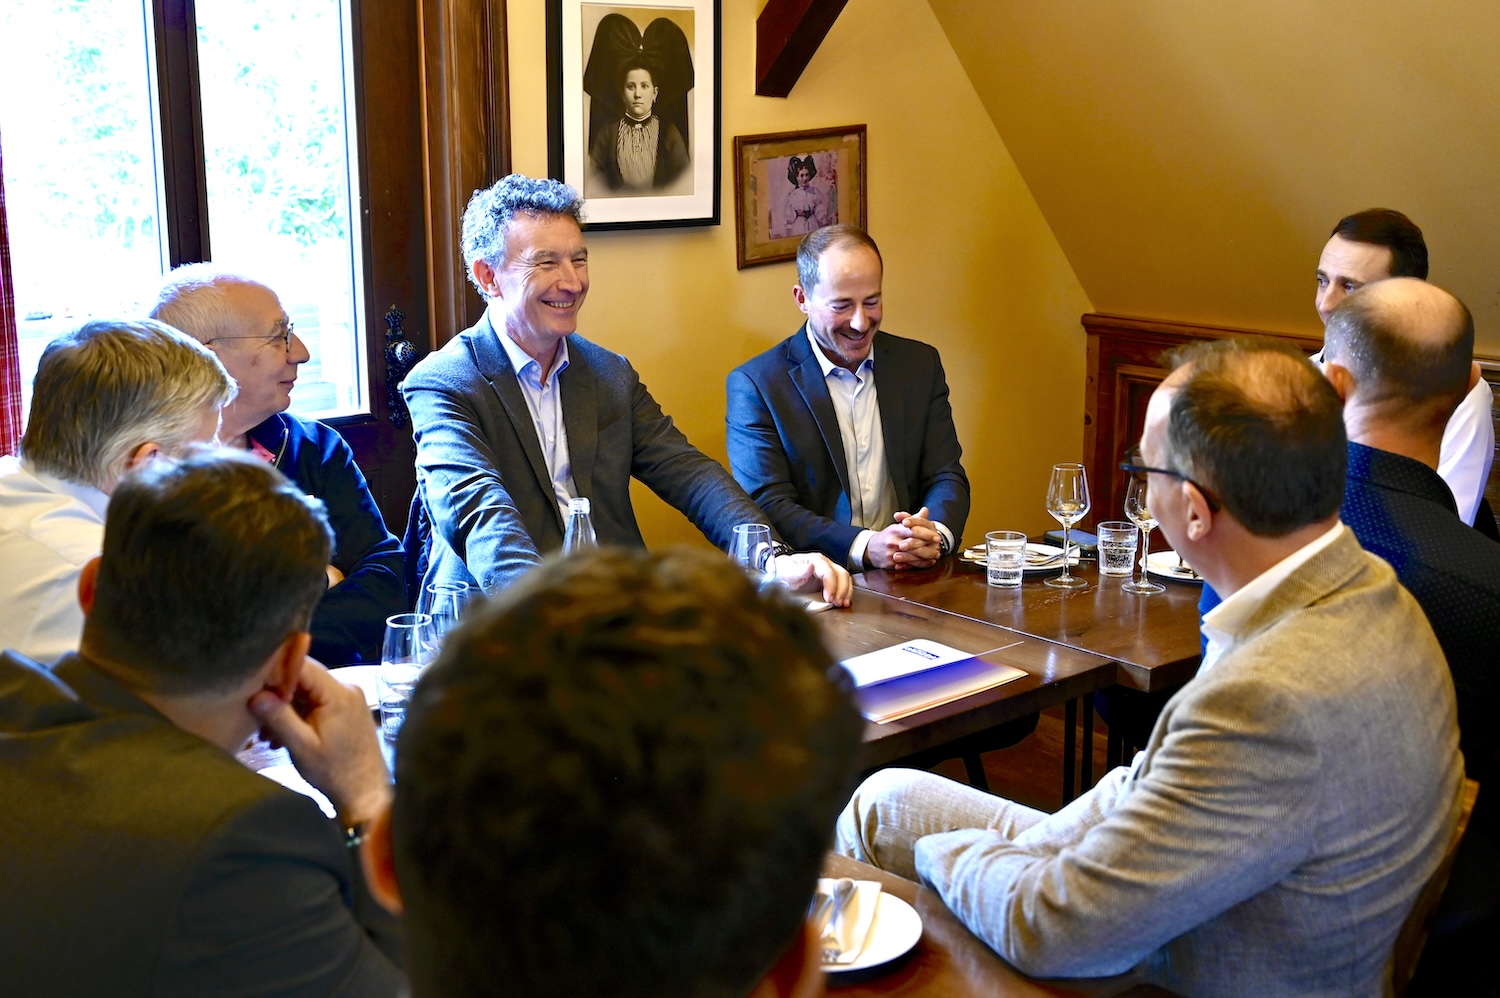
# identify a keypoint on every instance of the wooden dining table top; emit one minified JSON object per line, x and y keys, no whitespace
{"x":950,"y":961}
{"x":1055,"y":673}
{"x":1153,"y":639}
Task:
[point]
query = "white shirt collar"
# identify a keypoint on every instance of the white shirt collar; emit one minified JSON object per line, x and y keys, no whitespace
{"x":828,"y":366}
{"x":520,"y":358}
{"x":1223,"y":623}
{"x":86,"y":494}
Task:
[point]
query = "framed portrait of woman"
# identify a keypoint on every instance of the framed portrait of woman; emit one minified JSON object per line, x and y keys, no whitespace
{"x":633,"y":107}
{"x":786,"y":184}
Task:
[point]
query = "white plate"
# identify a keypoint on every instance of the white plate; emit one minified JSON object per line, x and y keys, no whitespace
{"x":895,"y":930}
{"x":1165,"y":565}
{"x":362,"y":676}
{"x":975,"y":556}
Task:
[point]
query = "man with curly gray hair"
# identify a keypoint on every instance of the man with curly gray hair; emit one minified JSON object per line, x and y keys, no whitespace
{"x":110,"y":396}
{"x":518,"y":415}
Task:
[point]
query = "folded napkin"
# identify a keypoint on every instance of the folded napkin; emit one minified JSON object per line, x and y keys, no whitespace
{"x":852,"y":927}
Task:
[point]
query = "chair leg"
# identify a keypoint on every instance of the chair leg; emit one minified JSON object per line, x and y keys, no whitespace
{"x":974,"y":767}
{"x":1086,"y":775}
{"x":1070,"y":737}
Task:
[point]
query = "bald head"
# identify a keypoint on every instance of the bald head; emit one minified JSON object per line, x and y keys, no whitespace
{"x":1407,"y":346}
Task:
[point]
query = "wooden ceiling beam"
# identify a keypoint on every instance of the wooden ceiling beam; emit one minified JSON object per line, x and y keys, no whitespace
{"x":787,"y":34}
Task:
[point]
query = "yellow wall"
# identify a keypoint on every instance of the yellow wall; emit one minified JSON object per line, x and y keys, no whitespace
{"x":1192,"y":157}
{"x":971,"y":265}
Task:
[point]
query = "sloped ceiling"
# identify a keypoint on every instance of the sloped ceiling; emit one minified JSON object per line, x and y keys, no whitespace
{"x":1191,"y":155}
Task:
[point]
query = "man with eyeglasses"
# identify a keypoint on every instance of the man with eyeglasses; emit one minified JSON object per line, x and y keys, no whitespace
{"x":243,"y":322}
{"x":1293,"y":798}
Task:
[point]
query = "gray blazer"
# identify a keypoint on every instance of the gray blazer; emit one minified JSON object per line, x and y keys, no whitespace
{"x":785,"y":447}
{"x":482,"y":481}
{"x":1272,"y":836}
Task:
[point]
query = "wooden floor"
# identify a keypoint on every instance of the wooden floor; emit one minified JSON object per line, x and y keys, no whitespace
{"x":1030,"y":772}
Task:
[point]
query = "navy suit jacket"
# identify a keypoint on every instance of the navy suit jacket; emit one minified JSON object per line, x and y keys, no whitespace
{"x":483,"y":484}
{"x":785,"y":448}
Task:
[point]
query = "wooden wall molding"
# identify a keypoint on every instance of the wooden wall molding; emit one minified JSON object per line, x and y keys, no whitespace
{"x":787,"y":34}
{"x":465,"y":140}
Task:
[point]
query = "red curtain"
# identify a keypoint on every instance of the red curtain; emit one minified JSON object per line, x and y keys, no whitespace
{"x":10,"y":354}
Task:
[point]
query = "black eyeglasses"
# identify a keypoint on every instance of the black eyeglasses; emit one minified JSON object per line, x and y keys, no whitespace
{"x":282,"y":332}
{"x":1141,"y":469}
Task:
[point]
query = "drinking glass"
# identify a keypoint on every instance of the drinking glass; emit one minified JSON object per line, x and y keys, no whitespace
{"x":406,"y":652}
{"x":1138,"y":509}
{"x":445,"y":603}
{"x":752,"y":550}
{"x":1117,"y":546}
{"x":1005,"y":557}
{"x":1068,"y":502}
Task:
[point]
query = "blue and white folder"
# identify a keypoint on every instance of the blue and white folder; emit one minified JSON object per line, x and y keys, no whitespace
{"x":914,"y":676}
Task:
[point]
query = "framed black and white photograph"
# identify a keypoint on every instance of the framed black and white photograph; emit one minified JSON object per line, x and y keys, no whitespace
{"x":786,"y":184}
{"x":633,"y":109}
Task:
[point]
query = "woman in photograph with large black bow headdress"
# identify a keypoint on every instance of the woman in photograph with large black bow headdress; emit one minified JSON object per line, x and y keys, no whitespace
{"x":638,"y":115}
{"x":805,"y":207}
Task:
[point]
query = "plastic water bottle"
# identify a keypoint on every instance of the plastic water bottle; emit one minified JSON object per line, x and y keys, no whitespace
{"x":579,"y":535}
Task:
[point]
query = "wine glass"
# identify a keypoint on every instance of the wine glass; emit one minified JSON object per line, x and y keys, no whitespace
{"x":1068,"y":502}
{"x":753,"y":551}
{"x":445,"y":602}
{"x":1138,"y":509}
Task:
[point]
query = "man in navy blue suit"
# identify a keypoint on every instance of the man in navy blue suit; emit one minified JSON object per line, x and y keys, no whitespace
{"x":866,"y":473}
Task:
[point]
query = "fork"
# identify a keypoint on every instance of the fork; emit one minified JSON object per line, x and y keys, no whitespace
{"x":1047,"y":559}
{"x":832,"y":948}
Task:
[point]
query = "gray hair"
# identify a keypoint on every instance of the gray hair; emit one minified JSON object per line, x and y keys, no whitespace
{"x":109,"y":386}
{"x":192,"y":299}
{"x":491,"y":211}
{"x":819,"y":241}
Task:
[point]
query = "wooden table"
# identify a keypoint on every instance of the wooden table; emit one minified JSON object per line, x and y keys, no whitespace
{"x":950,"y":961}
{"x":1055,"y":674}
{"x":1152,"y":640}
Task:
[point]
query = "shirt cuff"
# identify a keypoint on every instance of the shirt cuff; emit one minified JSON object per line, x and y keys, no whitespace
{"x":857,"y":550}
{"x":948,"y":541}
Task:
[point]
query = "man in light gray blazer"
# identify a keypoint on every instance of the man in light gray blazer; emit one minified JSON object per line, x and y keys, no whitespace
{"x":1293,"y":798}
{"x":519,"y":414}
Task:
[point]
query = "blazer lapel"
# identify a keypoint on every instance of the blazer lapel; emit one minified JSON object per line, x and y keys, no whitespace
{"x":580,"y":418}
{"x":893,"y":420}
{"x":807,"y":375}
{"x":494,"y":364}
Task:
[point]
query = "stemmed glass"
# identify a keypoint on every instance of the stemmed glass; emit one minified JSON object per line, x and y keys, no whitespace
{"x":1068,"y":502}
{"x":445,"y":602}
{"x":1138,"y":510}
{"x":753,"y":551}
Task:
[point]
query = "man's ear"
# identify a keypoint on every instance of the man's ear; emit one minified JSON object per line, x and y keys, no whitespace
{"x":377,"y":856}
{"x":799,"y":972}
{"x":484,"y":274}
{"x":143,"y":455}
{"x":1341,"y":378}
{"x":799,"y":296}
{"x":1200,"y":519}
{"x":88,"y":584}
{"x":284,"y":667}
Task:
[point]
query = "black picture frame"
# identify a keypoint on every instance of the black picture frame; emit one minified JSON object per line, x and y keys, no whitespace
{"x":589,"y":138}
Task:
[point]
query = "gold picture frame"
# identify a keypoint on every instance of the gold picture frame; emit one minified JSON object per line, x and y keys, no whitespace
{"x":788,"y":183}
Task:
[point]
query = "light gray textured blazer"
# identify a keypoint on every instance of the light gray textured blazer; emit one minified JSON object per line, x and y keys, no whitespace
{"x":1273,"y":834}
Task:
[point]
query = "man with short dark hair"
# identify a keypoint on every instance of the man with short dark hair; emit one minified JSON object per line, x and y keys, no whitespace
{"x":871,"y":480}
{"x":518,"y":415}
{"x":619,"y":779}
{"x":1378,"y":243}
{"x":140,"y":856}
{"x":243,"y":322}
{"x":101,"y":408}
{"x":1292,"y":799}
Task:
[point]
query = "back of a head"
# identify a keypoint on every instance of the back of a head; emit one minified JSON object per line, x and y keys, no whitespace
{"x":109,"y":386}
{"x":1409,"y":346}
{"x":488,"y":217}
{"x":208,"y":564}
{"x":1260,"y":427}
{"x":1393,"y":230}
{"x":194,"y":299}
{"x":620,"y":778}
{"x":819,"y":241}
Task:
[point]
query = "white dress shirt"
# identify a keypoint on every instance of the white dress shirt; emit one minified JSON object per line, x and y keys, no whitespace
{"x":872,"y":494}
{"x":1224,"y":622}
{"x":49,"y":529}
{"x":544,"y":400}
{"x":1468,"y":449}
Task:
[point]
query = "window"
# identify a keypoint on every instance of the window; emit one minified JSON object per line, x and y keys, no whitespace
{"x":89,"y":131}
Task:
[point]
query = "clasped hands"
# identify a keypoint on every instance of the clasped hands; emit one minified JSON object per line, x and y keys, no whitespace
{"x":912,"y":541}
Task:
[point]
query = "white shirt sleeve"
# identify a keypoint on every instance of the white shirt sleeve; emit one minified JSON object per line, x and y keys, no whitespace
{"x":1468,"y":449}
